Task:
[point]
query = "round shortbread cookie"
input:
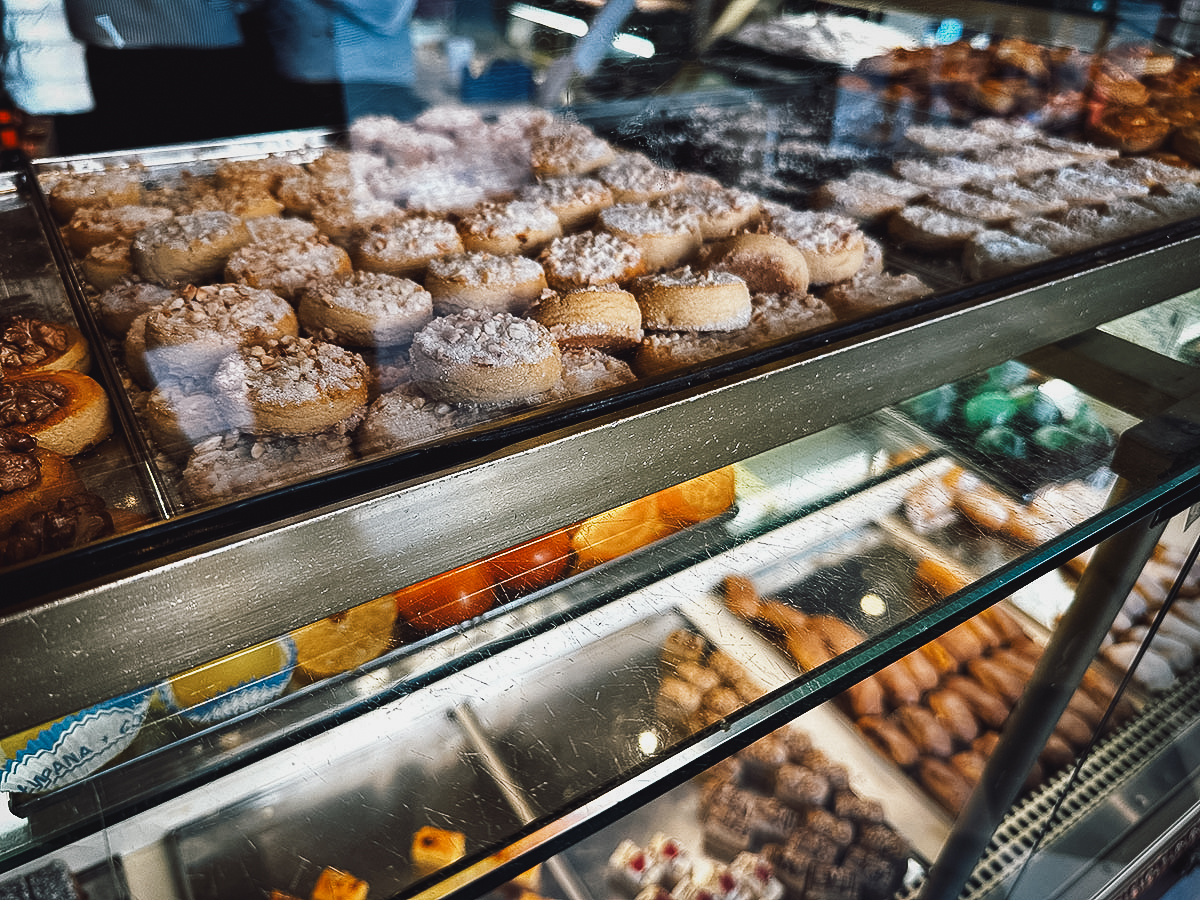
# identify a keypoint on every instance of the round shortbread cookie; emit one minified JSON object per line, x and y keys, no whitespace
{"x":870,"y":293}
{"x":602,"y":317}
{"x":575,"y":199}
{"x":484,"y":281}
{"x":232,"y":465}
{"x":591,"y":258}
{"x":587,"y":370}
{"x":190,"y":334}
{"x":404,"y":247}
{"x":663,"y":351}
{"x":365,"y":309}
{"x":179,"y":418}
{"x":287,"y":267}
{"x":272,"y":229}
{"x":832,"y":245}
{"x":189,"y":249}
{"x":482,"y":357}
{"x":683,"y":300}
{"x":293,"y":386}
{"x":766,"y":262}
{"x":783,"y":315}
{"x":666,"y":238}
{"x":108,"y":265}
{"x":518,"y":226}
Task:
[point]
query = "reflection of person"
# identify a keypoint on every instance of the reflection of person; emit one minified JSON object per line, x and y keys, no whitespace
{"x":44,"y":69}
{"x":163,"y":71}
{"x":363,"y":47}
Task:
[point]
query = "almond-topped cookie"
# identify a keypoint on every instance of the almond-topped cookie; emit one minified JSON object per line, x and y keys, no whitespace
{"x":634,"y":178}
{"x":364,"y":309}
{"x":287,"y":266}
{"x":188,"y":249}
{"x":518,"y":226}
{"x":684,"y":300}
{"x":484,"y":281}
{"x":599,"y":316}
{"x":575,"y":199}
{"x":591,"y":258}
{"x":404,"y":247}
{"x":667,"y":238}
{"x":485,"y":357}
{"x":292,"y":386}
{"x":833,"y":246}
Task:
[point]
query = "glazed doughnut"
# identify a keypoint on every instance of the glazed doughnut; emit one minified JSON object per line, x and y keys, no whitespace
{"x":766,"y":262}
{"x":683,"y":300}
{"x":568,"y":149}
{"x":832,"y":245}
{"x":519,"y":226}
{"x":591,"y":258}
{"x":404,"y":247}
{"x":108,"y":265}
{"x":575,"y":199}
{"x":118,"y":306}
{"x":286,"y":267}
{"x":30,"y":346}
{"x":601,"y":317}
{"x":189,"y":249}
{"x":364,"y":309}
{"x":484,"y":281}
{"x":1131,"y":129}
{"x":66,"y":411}
{"x":79,"y":190}
{"x":94,"y":225}
{"x":666,"y":238}
{"x":404,"y":417}
{"x":190,"y":334}
{"x":482,"y":357}
{"x":31,"y":478}
{"x":634,"y":178}
{"x":291,"y":386}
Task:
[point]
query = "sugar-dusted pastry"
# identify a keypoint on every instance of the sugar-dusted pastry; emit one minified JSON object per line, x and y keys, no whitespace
{"x":485,"y":357}
{"x":118,"y":306}
{"x":230,"y":464}
{"x":66,"y":411}
{"x":566,"y":148}
{"x":287,"y":266}
{"x":108,"y":265}
{"x":179,"y":416}
{"x":404,"y":417}
{"x":404,"y":247}
{"x":833,"y":246}
{"x":989,"y":254}
{"x":931,"y":229}
{"x":290,"y":386}
{"x":188,"y":249}
{"x":634,"y":178}
{"x":866,"y":195}
{"x":777,"y":316}
{"x":869,"y":293}
{"x":29,"y":345}
{"x":516,"y":226}
{"x":504,"y":283}
{"x":190,"y":334}
{"x":591,"y":258}
{"x":683,"y":300}
{"x":663,"y":351}
{"x":767,"y":263}
{"x":245,"y":200}
{"x":79,"y":190}
{"x":575,"y":199}
{"x":364,"y":309}
{"x":666,"y":238}
{"x":604,"y":317}
{"x":272,"y":229}
{"x":92,"y":226}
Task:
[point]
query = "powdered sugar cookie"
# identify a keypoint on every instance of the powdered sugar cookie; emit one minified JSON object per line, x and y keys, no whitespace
{"x":484,"y":281}
{"x":832,"y":245}
{"x":565,"y":148}
{"x":108,"y":265}
{"x":661,"y":352}
{"x":92,"y":226}
{"x":865,"y":294}
{"x":665,"y":237}
{"x":766,"y":262}
{"x":587,"y":370}
{"x":990,"y":254}
{"x":775,"y":316}
{"x":602,"y":317}
{"x":234,"y":465}
{"x":405,"y":417}
{"x":575,"y":199}
{"x":118,"y":306}
{"x":189,"y":249}
{"x":683,"y":300}
{"x":292,"y":386}
{"x":179,"y":417}
{"x":519,"y":226}
{"x":190,"y":334}
{"x":931,"y":229}
{"x":866,"y":195}
{"x":364,"y":309}
{"x":634,"y":178}
{"x":78,"y":190}
{"x":272,"y":229}
{"x":720,"y":211}
{"x":591,"y":258}
{"x":404,"y":247}
{"x":972,"y":205}
{"x":484,"y":357}
{"x":286,"y":266}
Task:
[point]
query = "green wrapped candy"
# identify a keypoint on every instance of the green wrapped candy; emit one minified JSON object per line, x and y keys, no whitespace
{"x":933,"y":407}
{"x":1005,"y":376}
{"x":999,"y":440}
{"x":1089,"y":429}
{"x":1034,"y":408}
{"x":986,"y":410}
{"x":1056,"y":438}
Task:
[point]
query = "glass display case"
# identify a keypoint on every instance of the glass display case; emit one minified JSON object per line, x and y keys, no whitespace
{"x":884,"y":589}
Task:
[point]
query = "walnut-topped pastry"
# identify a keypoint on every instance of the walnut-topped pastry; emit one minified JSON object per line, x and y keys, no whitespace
{"x":66,"y":411}
{"x":30,"y":345}
{"x":31,"y":478}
